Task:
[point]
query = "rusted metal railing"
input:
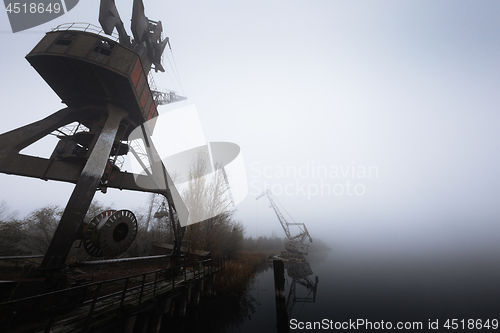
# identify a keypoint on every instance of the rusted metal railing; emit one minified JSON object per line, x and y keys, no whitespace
{"x":46,"y":308}
{"x":86,"y":27}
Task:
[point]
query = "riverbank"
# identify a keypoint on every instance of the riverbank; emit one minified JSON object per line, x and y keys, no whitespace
{"x":239,"y":273}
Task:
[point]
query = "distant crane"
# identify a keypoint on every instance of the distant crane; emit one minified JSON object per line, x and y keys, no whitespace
{"x":295,"y":244}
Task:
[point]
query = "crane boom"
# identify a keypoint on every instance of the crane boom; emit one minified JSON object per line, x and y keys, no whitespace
{"x":280,"y":216}
{"x":295,"y":243}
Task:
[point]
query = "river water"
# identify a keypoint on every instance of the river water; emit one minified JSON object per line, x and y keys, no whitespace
{"x":395,"y":289}
{"x":380,"y":290}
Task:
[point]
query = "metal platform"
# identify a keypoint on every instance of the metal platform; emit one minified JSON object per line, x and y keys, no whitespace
{"x":85,"y":68}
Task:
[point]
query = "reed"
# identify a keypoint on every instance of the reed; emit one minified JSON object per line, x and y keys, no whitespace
{"x":238,"y":273}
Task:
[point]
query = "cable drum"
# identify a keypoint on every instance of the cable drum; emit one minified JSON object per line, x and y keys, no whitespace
{"x":110,"y":233}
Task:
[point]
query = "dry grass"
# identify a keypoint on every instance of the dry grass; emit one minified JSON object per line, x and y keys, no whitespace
{"x":238,"y":273}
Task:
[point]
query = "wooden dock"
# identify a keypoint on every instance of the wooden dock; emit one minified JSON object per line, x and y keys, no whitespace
{"x":138,"y":303}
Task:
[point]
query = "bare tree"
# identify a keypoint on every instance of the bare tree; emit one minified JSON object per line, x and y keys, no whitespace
{"x":212,"y":227}
{"x":39,"y":227}
{"x":5,"y":213}
{"x":11,"y":235}
{"x":11,"y":232}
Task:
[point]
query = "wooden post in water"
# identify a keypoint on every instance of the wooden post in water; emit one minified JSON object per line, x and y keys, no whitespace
{"x":279,"y":288}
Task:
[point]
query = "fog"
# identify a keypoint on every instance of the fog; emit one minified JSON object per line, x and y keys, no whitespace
{"x":406,"y":90}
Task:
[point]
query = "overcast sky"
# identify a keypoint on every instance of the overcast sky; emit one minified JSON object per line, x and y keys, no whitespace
{"x":374,"y":122}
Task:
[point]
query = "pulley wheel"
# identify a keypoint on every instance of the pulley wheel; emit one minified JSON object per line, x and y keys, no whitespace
{"x":110,"y":233}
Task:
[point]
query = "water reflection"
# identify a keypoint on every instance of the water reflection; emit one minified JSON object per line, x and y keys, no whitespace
{"x":255,"y":309}
{"x":218,"y":313}
{"x":301,"y":274}
{"x":366,"y":285}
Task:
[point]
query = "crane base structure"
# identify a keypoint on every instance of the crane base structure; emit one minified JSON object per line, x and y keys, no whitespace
{"x":103,"y":80}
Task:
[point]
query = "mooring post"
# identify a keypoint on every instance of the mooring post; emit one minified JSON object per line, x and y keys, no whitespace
{"x":129,"y":324}
{"x":167,"y":305}
{"x":155,"y":322}
{"x":207,"y":285}
{"x":142,"y":323}
{"x":197,"y":291}
{"x":279,"y":288}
